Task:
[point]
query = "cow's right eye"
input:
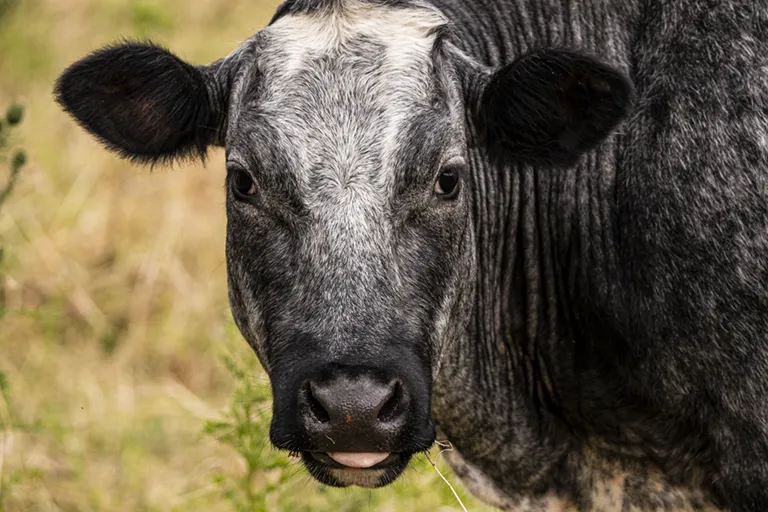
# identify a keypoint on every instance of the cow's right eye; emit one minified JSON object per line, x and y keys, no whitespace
{"x":242,"y":184}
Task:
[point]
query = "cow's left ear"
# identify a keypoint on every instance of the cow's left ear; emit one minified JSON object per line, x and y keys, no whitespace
{"x":550,"y":106}
{"x":145,"y":103}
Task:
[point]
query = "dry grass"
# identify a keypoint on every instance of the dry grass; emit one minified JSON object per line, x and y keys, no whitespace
{"x":113,"y":310}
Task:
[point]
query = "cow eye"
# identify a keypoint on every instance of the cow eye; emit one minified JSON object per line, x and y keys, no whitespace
{"x":447,"y":184}
{"x":242,"y":184}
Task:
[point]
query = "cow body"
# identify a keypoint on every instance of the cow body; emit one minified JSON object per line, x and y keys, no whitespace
{"x":619,"y":337}
{"x":585,"y":316}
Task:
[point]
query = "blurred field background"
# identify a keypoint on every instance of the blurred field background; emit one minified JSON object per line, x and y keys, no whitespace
{"x":124,"y":385}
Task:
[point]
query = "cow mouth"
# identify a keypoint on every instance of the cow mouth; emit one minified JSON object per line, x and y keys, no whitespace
{"x":363,"y":470}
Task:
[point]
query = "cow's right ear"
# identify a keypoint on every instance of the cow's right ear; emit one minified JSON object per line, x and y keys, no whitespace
{"x":145,"y":103}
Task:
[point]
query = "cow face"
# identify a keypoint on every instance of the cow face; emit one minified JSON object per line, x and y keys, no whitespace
{"x":348,"y":240}
{"x":350,"y":247}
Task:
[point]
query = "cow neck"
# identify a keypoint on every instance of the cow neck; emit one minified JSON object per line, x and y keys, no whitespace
{"x":544,"y":241}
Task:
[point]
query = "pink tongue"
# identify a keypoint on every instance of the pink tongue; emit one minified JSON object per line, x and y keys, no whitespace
{"x":358,"y":460}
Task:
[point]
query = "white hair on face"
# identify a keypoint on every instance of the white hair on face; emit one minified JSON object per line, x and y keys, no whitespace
{"x":406,"y":33}
{"x":407,"y":36}
{"x":390,"y":83}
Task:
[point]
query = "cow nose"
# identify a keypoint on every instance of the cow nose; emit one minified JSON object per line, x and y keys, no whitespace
{"x":359,"y":414}
{"x":356,"y":404}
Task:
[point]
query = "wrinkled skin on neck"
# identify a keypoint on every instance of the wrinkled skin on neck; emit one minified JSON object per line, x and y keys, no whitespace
{"x":580,"y":388}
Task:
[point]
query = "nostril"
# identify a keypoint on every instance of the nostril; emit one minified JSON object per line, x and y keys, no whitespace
{"x":315,"y":407}
{"x":392,"y":405}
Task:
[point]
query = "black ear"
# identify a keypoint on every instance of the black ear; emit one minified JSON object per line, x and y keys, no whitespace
{"x":143,"y":102}
{"x":551,"y":106}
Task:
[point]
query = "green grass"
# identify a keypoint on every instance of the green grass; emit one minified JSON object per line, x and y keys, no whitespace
{"x":124,"y":385}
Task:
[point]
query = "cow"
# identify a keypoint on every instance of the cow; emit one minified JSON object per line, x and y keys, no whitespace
{"x":537,"y":229}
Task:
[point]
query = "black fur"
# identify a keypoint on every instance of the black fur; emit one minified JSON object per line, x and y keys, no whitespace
{"x":551,"y":106}
{"x":142,"y":102}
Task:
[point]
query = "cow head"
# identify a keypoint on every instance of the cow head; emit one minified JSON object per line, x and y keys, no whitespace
{"x":350,"y":243}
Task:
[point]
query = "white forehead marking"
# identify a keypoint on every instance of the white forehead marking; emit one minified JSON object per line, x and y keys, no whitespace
{"x":406,"y":33}
{"x":350,"y":114}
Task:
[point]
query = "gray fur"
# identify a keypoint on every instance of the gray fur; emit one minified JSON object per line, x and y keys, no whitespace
{"x":639,"y":279}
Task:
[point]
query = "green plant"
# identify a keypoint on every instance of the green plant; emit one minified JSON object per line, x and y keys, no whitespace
{"x":13,"y":117}
{"x":246,"y":429}
{"x":8,"y":416}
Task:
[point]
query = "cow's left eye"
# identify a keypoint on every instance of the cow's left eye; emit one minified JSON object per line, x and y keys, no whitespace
{"x":242,"y":184}
{"x":447,"y":184}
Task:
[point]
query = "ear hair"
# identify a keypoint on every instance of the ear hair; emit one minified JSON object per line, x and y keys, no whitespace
{"x":143,"y":102}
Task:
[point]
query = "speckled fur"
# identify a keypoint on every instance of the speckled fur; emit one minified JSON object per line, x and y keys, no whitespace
{"x":597,"y":334}
{"x":620,"y":331}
